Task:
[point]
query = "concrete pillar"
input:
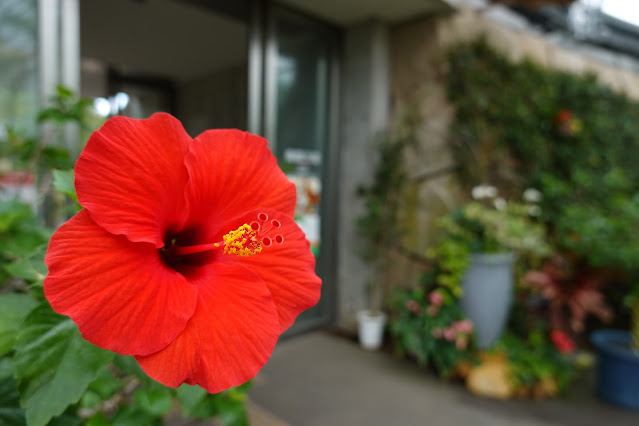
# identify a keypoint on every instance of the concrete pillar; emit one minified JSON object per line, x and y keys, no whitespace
{"x":365,"y":113}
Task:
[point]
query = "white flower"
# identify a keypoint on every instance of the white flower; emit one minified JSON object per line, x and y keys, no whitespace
{"x":480,"y":192}
{"x":532,"y":195}
{"x":500,"y":203}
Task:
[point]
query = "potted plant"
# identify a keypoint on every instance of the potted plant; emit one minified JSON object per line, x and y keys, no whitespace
{"x":618,"y":360}
{"x":428,"y":325}
{"x":604,"y":240}
{"x":491,"y":232}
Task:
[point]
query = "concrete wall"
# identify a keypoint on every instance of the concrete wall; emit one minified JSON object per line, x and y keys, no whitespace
{"x":364,"y":113}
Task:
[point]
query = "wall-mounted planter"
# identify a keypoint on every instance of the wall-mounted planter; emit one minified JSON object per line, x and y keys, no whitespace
{"x":488,"y":294}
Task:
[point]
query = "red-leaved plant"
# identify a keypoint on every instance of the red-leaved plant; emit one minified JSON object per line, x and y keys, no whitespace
{"x":572,"y":294}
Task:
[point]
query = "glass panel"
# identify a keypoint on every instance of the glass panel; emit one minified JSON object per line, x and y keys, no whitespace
{"x":190,"y":60}
{"x":19,"y":97}
{"x":302,"y":52}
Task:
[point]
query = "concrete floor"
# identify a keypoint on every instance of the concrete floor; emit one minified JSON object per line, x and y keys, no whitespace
{"x":323,"y":379}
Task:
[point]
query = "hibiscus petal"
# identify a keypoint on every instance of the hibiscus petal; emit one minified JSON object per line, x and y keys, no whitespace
{"x":232,"y":172}
{"x":288,"y":269}
{"x":131,"y":176}
{"x":230,"y":337}
{"x":119,"y":293}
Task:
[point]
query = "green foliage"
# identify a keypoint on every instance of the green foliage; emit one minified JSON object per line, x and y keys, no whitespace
{"x":14,"y":308}
{"x":534,"y":359}
{"x":64,"y":181}
{"x":382,"y":198}
{"x":486,"y":229}
{"x":52,"y":355}
{"x":10,"y":411}
{"x":452,"y":257}
{"x":429,"y":329}
{"x":21,"y":234}
{"x":379,"y":227}
{"x":519,"y":125}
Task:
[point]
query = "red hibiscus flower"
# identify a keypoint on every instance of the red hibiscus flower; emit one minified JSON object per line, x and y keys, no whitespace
{"x":185,"y":253}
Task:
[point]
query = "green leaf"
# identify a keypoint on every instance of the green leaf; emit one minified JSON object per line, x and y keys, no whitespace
{"x":106,"y":384}
{"x":64,"y":181}
{"x":55,"y":158}
{"x":14,"y":307}
{"x":154,"y":401}
{"x":98,"y":419}
{"x":132,"y":415}
{"x":189,"y":397}
{"x":54,"y":364}
{"x":12,"y":212}
{"x":31,"y":269}
{"x":10,"y":411}
{"x":231,"y":409}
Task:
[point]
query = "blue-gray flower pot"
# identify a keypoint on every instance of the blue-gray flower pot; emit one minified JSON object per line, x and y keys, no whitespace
{"x":617,"y":368}
{"x":488,"y":295}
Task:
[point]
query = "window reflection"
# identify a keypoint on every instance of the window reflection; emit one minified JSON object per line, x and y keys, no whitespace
{"x":19,"y":99}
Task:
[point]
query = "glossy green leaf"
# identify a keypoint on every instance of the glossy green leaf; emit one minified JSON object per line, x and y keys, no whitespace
{"x":132,"y":415}
{"x":10,"y":411}
{"x":51,"y":356}
{"x":14,"y":307}
{"x":154,"y":401}
{"x":64,"y":181}
{"x":31,"y":268}
{"x":231,"y":408}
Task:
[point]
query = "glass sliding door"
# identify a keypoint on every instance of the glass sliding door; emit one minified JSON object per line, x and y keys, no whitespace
{"x":299,"y":61}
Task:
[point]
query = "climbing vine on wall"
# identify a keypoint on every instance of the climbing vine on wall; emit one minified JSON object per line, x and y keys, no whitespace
{"x":520,"y":125}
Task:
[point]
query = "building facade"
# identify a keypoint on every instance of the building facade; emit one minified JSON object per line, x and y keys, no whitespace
{"x":312,"y":77}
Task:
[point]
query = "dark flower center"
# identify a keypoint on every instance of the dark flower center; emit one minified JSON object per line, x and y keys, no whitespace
{"x":185,"y":252}
{"x":173,"y":257}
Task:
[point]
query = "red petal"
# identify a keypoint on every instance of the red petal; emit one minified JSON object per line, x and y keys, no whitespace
{"x":228,"y":340}
{"x":119,"y":293}
{"x":288,"y":269}
{"x":231,"y":172}
{"x":131,"y":176}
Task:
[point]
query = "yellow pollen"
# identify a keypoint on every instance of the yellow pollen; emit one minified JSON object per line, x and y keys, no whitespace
{"x":242,"y":242}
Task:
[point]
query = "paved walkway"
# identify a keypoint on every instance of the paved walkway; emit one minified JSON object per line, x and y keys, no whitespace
{"x":320,"y":379}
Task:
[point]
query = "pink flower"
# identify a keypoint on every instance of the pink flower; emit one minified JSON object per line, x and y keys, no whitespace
{"x":464,"y":326}
{"x":435,"y":298}
{"x":432,"y":310}
{"x":413,"y":306}
{"x":450,"y":334}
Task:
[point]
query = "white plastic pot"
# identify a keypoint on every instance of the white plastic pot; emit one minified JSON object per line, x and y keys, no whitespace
{"x":370,"y":327}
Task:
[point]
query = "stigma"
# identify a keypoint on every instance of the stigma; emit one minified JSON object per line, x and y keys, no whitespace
{"x":247,"y":240}
{"x":250,"y":239}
